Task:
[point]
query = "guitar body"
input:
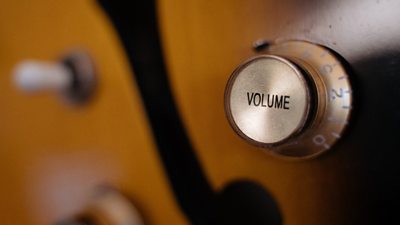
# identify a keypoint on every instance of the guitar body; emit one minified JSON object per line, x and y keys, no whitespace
{"x":54,"y":154}
{"x":353,"y":183}
{"x":166,"y":143}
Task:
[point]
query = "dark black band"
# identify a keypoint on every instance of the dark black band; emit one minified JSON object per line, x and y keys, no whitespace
{"x":136,"y":23}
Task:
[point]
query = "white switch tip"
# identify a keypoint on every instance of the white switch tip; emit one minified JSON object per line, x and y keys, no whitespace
{"x":34,"y":76}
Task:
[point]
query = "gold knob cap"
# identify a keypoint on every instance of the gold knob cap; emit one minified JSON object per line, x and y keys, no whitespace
{"x":268,"y":100}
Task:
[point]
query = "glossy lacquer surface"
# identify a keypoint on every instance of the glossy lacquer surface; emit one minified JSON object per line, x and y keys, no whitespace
{"x":54,"y":154}
{"x":356,"y":181}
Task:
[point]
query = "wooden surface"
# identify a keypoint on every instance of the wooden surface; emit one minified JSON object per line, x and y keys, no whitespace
{"x":204,"y":41}
{"x":52,"y":154}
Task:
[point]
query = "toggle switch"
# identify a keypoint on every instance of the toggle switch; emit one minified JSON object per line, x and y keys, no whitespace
{"x":293,"y":100}
{"x":73,"y":77}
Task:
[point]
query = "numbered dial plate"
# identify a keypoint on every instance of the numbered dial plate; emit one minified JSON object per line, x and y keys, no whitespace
{"x":322,"y":94}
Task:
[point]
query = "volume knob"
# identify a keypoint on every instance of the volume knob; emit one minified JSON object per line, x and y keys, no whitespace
{"x":294,"y":100}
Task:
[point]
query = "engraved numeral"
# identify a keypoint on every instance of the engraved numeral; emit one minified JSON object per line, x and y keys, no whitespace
{"x":337,"y":93}
{"x":320,"y":140}
{"x":326,"y":69}
{"x":323,"y":54}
